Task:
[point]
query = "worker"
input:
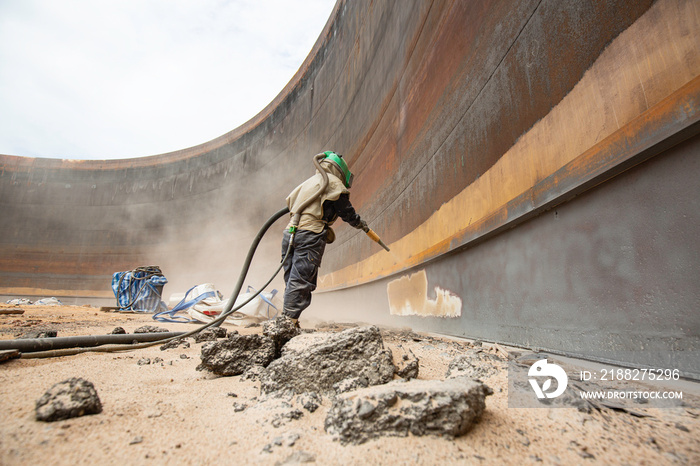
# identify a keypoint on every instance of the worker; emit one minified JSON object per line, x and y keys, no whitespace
{"x":314,"y":230}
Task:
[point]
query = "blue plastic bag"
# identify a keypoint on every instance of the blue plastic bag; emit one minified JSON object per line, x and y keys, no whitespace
{"x":140,"y":290}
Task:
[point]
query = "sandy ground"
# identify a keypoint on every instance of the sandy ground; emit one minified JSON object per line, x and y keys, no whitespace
{"x":166,"y":412}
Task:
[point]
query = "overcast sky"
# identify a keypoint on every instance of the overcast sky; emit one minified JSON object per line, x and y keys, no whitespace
{"x":104,"y":79}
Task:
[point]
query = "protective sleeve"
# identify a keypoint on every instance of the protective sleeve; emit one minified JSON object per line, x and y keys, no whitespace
{"x":346,"y":211}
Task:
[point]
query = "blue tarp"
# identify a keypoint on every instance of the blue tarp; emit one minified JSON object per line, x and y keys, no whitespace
{"x":139,"y":290}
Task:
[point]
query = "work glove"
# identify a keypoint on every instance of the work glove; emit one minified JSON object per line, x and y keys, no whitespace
{"x":363,"y":226}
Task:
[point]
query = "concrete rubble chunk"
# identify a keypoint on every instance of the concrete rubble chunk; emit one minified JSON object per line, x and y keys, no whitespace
{"x":178,"y":342}
{"x":285,"y":417}
{"x":419,"y":407}
{"x":310,"y":401}
{"x":281,"y":330}
{"x":330,"y":363}
{"x":210,"y":334}
{"x":410,"y":367}
{"x":300,"y":343}
{"x":71,"y":398}
{"x":474,"y":364}
{"x":151,"y":329}
{"x":46,"y":333}
{"x":236,"y":354}
{"x":252,"y":373}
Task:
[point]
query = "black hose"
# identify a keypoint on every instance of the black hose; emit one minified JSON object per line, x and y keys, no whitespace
{"x":246,"y":266}
{"x":29,"y":345}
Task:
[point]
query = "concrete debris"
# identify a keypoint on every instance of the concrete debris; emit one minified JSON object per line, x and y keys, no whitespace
{"x":474,"y":364}
{"x":211,"y":334}
{"x":404,"y":334}
{"x":330,"y":362}
{"x":178,"y":342}
{"x":336,"y":326}
{"x":300,"y":343}
{"x":410,"y":368}
{"x":310,"y":401}
{"x":118,"y":331}
{"x":236,"y":354}
{"x":349,"y":384}
{"x":419,"y":407}
{"x":286,"y":440}
{"x":252,"y":373}
{"x":280,"y":330}
{"x":46,"y":333}
{"x":283,"y":418}
{"x":151,"y":329}
{"x":277,"y":410}
{"x":68,"y":399}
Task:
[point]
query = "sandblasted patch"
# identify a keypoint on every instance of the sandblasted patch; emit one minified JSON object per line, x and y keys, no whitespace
{"x":408,"y":296}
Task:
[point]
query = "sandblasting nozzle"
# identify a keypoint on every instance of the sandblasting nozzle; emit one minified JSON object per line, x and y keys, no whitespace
{"x":375,"y":237}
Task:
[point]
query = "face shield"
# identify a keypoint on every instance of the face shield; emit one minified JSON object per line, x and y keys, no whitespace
{"x":338,"y":161}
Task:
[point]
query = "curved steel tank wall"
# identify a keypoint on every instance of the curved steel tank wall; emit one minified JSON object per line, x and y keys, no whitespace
{"x":461,"y":121}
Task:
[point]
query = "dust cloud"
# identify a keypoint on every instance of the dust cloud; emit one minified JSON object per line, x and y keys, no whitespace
{"x":210,"y":242}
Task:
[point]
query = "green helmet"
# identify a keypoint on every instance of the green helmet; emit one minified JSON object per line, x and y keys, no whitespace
{"x":339,"y":162}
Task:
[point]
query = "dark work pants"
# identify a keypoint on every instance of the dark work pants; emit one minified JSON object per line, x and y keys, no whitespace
{"x":301,"y":269}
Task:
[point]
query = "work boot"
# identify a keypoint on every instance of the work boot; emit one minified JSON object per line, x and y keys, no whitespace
{"x":295,"y":322}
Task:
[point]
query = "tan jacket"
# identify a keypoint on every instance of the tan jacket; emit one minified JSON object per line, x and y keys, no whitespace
{"x":311,"y":218}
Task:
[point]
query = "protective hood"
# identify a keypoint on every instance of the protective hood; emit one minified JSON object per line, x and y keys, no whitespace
{"x":311,"y":217}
